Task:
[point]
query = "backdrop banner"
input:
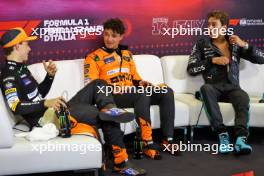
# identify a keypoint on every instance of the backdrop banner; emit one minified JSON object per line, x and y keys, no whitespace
{"x":69,"y":29}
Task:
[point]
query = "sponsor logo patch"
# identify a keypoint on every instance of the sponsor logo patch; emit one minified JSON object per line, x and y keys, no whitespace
{"x":87,"y":66}
{"x":8,"y":85}
{"x":11,"y":78}
{"x":109,"y":60}
{"x":123,"y":70}
{"x":8,"y":91}
{"x":26,"y":81}
{"x":32,"y":94}
{"x":11,"y":95}
{"x":23,"y":76}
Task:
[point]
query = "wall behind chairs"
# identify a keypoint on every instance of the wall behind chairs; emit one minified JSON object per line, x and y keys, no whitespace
{"x":70,"y":29}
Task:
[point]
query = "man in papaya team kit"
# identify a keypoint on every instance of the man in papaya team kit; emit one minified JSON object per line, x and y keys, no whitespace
{"x":25,"y":97}
{"x":217,"y":58}
{"x":114,"y":63}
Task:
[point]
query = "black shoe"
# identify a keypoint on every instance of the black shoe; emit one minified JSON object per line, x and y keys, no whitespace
{"x":116,"y":115}
{"x":127,"y":168}
{"x":169,"y":146}
{"x":151,"y":150}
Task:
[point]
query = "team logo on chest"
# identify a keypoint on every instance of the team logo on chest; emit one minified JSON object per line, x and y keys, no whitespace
{"x":109,"y":60}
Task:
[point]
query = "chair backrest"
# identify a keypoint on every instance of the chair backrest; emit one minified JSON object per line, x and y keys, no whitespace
{"x":149,"y":68}
{"x":252,"y":78}
{"x":176,"y":76}
{"x":69,"y":77}
{"x":6,"y":121}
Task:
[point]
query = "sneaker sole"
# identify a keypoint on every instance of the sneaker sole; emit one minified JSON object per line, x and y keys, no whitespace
{"x":243,"y":152}
{"x":225,"y":153}
{"x":157,"y":157}
{"x":118,"y":171}
{"x":122,"y":118}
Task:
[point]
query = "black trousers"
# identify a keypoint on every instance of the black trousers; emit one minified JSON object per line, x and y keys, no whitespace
{"x":85,"y":107}
{"x":226,"y":92}
{"x":141,"y":103}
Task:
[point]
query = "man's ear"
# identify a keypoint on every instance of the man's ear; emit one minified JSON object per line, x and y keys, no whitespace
{"x":16,"y":46}
{"x":224,"y":26}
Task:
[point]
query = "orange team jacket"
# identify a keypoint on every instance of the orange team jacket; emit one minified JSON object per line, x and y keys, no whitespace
{"x":116,"y":67}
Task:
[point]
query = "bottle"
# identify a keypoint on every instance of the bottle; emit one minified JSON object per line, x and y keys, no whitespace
{"x":138,"y":145}
{"x":65,"y":124}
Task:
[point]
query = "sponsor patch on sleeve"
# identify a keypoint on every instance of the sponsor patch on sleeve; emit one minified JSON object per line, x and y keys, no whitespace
{"x":8,"y":85}
{"x":87,"y":66}
{"x":26,"y":81}
{"x":33,"y":94}
{"x":11,"y":90}
{"x":12,"y":100}
{"x":10,"y":78}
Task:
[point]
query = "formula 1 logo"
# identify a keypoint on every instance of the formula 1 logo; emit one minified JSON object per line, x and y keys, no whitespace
{"x":234,"y":22}
{"x":60,"y":29}
{"x":27,"y":25}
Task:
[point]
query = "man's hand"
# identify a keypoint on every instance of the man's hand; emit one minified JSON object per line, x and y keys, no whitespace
{"x":145,"y":83}
{"x":55,"y":103}
{"x":50,"y":68}
{"x":222,"y":60}
{"x":234,"y":39}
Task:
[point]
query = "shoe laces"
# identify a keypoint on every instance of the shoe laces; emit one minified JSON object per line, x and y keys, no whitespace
{"x":224,"y":138}
{"x":243,"y":139}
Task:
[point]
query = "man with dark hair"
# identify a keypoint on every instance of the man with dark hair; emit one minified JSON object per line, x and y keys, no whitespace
{"x":222,"y":16}
{"x":25,"y":97}
{"x":217,"y":58}
{"x":114,"y":63}
{"x":116,"y":25}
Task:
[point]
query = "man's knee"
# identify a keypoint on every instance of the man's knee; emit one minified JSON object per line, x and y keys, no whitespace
{"x":245,"y":97}
{"x":242,"y":99}
{"x":100,"y":82}
{"x":207,"y":88}
{"x":101,"y":86}
{"x":169,"y":92}
{"x":142,"y":96}
{"x":96,"y":82}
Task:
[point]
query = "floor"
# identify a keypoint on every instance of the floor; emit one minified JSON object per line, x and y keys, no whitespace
{"x":198,"y":163}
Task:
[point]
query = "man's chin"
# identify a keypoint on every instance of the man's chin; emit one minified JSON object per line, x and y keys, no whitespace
{"x":109,"y":46}
{"x":25,"y":60}
{"x":213,"y":36}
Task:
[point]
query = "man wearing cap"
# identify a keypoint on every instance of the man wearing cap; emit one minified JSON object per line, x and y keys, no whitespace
{"x":25,"y":96}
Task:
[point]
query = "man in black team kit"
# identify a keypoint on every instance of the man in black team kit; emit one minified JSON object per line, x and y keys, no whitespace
{"x":25,"y":96}
{"x":217,"y":58}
